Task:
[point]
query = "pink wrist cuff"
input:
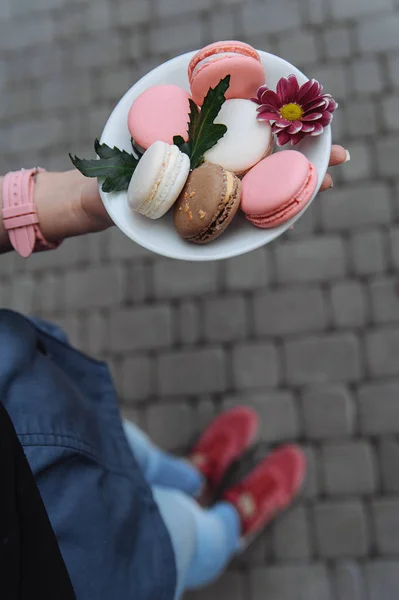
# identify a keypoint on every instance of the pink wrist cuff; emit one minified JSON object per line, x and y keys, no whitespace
{"x":19,"y":213}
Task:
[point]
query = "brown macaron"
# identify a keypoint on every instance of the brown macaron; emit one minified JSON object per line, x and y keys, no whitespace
{"x":207,"y":204}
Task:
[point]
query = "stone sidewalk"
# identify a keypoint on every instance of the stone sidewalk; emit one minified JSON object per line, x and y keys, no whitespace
{"x":306,"y":330}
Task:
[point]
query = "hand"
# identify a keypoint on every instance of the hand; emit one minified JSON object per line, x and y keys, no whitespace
{"x":338,"y":156}
{"x":69,"y":204}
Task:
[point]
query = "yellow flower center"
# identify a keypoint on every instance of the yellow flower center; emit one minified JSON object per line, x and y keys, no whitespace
{"x":291,"y":112}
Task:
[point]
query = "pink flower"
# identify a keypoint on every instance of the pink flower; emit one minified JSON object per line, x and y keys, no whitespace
{"x":297,"y":111}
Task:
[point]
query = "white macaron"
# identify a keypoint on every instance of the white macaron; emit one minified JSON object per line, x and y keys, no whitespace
{"x":158,"y":180}
{"x":247,"y":140}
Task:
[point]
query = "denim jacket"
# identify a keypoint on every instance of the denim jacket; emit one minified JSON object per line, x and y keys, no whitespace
{"x":63,"y":407}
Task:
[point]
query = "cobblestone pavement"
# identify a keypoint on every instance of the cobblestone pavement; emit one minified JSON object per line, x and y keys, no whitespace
{"x":306,"y":330}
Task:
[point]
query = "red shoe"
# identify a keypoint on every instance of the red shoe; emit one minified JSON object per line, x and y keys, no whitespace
{"x":268,"y":490}
{"x":223,"y":442}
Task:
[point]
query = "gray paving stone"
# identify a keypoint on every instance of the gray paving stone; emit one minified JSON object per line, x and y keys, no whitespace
{"x":379,"y":408}
{"x":314,"y":259}
{"x":277,"y":411}
{"x":299,"y":47}
{"x":390,"y":112}
{"x":379,"y":34}
{"x":361,"y":117}
{"x":94,"y":287}
{"x":137,"y":378}
{"x":322,"y":359}
{"x":40,"y":133}
{"x":170,"y":426}
{"x":92,"y":52}
{"x":114,"y":83}
{"x":393,"y":65}
{"x":349,"y":303}
{"x":382,"y":579}
{"x":283,"y":582}
{"x":382,"y":346}
{"x":311,"y":484}
{"x":141,"y":328}
{"x":290,"y":310}
{"x":177,"y":38}
{"x":385,"y":300}
{"x":361,"y":164}
{"x":127,"y":14}
{"x":120,"y":247}
{"x":171,"y":8}
{"x":355,"y":206}
{"x":349,"y":582}
{"x":225,"y":318}
{"x":256,"y":365}
{"x":138,"y":283}
{"x":204,"y":413}
{"x":357,"y":8}
{"x":334,"y":79}
{"x":96,"y":333}
{"x":222,"y":25}
{"x":192,"y":372}
{"x":341,"y":529}
{"x":328,"y":412}
{"x":188,"y":322}
{"x":386,"y":157}
{"x":349,"y":468}
{"x":337,"y":42}
{"x":271,"y":18}
{"x":53,"y":299}
{"x":248,"y":271}
{"x":23,"y":293}
{"x":386,"y":525}
{"x":389,"y":461}
{"x":368,"y":252}
{"x":291,"y":535}
{"x":174,"y":279}
{"x":231,"y":585}
{"x":367,"y":76}
{"x":315,"y":11}
{"x":394,"y":246}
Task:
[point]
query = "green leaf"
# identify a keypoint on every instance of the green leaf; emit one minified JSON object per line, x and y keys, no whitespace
{"x":114,"y":165}
{"x":183,"y":146}
{"x":203,"y":132}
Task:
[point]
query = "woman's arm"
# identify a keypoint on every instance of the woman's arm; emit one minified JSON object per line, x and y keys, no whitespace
{"x":68,"y":204}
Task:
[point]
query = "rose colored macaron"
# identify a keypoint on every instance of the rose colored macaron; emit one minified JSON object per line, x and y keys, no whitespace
{"x":278,"y":188}
{"x":158,"y":114}
{"x":214,"y":62}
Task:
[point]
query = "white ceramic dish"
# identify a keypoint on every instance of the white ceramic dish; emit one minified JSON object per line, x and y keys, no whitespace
{"x":160,"y":236}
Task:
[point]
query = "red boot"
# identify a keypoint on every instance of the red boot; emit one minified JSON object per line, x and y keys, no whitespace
{"x":268,"y":490}
{"x":223,"y":442}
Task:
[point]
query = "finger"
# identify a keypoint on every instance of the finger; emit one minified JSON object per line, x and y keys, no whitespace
{"x":338,"y":156}
{"x":327,"y":183}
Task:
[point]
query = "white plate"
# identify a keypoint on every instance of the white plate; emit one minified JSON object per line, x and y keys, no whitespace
{"x":160,"y":236}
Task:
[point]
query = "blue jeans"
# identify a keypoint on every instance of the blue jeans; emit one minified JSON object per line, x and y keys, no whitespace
{"x":204,"y":541}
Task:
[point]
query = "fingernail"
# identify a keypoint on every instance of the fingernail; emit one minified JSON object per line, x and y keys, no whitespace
{"x":332,"y":185}
{"x":348,"y":156}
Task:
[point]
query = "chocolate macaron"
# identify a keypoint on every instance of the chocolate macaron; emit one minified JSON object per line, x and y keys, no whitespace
{"x":207,"y":204}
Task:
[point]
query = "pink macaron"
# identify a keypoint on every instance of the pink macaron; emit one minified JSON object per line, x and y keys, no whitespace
{"x":214,"y":62}
{"x":158,"y":114}
{"x":278,"y":188}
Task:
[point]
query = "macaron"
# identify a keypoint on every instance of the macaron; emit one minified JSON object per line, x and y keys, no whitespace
{"x":214,"y":62}
{"x":158,"y":114}
{"x":278,"y":188}
{"x":246,"y":141}
{"x":158,"y":180}
{"x":207,"y":204}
